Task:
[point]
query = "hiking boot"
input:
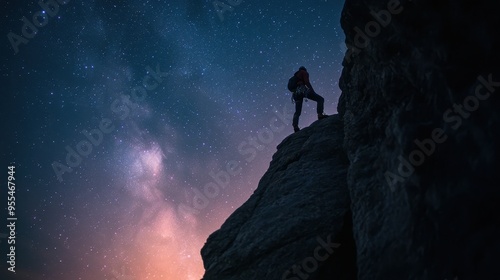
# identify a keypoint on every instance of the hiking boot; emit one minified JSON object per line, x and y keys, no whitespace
{"x":296,"y":129}
{"x":322,"y":116}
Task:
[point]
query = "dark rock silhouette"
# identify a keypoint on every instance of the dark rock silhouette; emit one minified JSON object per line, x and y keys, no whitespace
{"x":422,"y":209}
{"x":303,"y":197}
{"x":413,"y":156}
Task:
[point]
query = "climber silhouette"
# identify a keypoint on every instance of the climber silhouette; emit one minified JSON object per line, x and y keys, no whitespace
{"x":303,"y":90}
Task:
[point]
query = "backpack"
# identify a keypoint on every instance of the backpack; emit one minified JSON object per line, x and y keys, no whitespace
{"x":292,"y":82}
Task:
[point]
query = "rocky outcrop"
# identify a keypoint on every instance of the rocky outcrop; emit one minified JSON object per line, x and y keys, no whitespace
{"x":414,"y":157}
{"x":297,"y":223}
{"x":422,"y":120}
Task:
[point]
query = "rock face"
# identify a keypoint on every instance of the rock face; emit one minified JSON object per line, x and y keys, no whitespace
{"x":301,"y":204}
{"x":413,"y":157}
{"x":422,"y":136}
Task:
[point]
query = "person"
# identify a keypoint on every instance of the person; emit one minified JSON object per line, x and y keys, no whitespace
{"x":305,"y":90}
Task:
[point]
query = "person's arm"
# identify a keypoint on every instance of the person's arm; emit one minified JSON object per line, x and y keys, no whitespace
{"x":305,"y":77}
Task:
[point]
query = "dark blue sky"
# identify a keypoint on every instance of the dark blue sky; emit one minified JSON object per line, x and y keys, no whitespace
{"x":216,"y":96}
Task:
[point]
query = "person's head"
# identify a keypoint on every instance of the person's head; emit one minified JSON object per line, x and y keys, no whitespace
{"x":302,"y":68}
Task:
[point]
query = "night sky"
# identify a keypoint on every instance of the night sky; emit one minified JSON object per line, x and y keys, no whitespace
{"x":137,"y":127}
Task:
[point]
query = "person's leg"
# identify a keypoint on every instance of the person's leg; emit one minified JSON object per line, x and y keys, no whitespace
{"x":296,"y":115}
{"x":319,"y":99}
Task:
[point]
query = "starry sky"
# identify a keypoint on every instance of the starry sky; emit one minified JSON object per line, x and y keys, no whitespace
{"x":138,"y":127}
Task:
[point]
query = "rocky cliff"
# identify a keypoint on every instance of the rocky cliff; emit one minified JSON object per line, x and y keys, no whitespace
{"x":299,"y":215}
{"x":421,"y":116}
{"x":404,"y":182}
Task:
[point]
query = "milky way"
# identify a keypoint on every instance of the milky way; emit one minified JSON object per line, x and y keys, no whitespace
{"x":138,"y":127}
